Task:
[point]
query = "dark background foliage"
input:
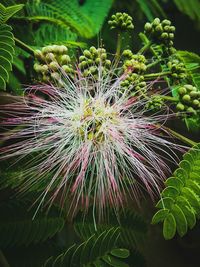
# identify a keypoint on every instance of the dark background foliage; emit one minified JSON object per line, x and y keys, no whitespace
{"x":27,"y":243}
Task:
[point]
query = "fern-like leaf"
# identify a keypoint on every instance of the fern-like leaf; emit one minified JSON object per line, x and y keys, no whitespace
{"x":179,"y":206}
{"x":6,"y":43}
{"x":132,"y":227}
{"x":6,"y":54}
{"x":18,"y":228}
{"x":86,"y":20}
{"x":8,"y":12}
{"x":189,"y":7}
{"x":98,"y":250}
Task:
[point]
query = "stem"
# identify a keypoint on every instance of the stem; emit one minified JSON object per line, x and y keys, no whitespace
{"x":168,"y":98}
{"x":153,"y":64}
{"x":119,"y":44}
{"x":156,"y":75}
{"x":24,"y":46}
{"x":3,"y":261}
{"x":180,"y":137}
{"x":146,"y":42}
{"x":145,"y":48}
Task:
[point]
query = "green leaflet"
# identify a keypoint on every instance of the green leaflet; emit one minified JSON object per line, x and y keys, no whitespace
{"x":180,"y":206}
{"x":169,"y":227}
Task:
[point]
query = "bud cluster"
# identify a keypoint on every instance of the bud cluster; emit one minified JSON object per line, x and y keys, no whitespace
{"x":136,"y":83}
{"x":155,"y":103}
{"x":92,"y":60}
{"x":134,"y":63}
{"x":121,"y":21}
{"x":189,"y":98}
{"x":160,"y":31}
{"x":50,"y":60}
{"x":177,"y":68}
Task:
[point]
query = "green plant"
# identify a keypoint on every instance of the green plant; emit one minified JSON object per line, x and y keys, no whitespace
{"x":6,"y":43}
{"x":179,"y":206}
{"x":99,"y":249}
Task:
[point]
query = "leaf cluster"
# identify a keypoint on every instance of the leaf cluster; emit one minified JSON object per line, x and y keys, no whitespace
{"x":179,"y":206}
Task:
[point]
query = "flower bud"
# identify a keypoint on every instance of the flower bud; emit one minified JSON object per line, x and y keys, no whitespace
{"x":186,"y":98}
{"x":180,"y":107}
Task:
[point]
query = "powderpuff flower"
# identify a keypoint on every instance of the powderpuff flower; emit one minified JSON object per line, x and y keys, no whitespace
{"x":92,"y":139}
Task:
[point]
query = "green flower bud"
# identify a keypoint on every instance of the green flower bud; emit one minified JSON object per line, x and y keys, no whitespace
{"x":180,"y":107}
{"x":159,"y":28}
{"x":148,"y":27}
{"x":166,"y":22}
{"x":164,"y":35}
{"x":195,"y":102}
{"x":186,"y":98}
{"x":55,"y":75}
{"x":44,"y":69}
{"x":50,"y":57}
{"x":38,"y":54}
{"x":65,"y":59}
{"x":45,"y":78}
{"x":54,"y":66}
{"x":81,"y":58}
{"x":108,"y":63}
{"x":92,"y":70}
{"x":189,"y":87}
{"x":87,"y":53}
{"x":103,"y":56}
{"x":66,"y":68}
{"x":172,"y":29}
{"x":60,"y":49}
{"x":46,"y":50}
{"x":191,"y":110}
{"x":194,"y":94}
{"x":93,"y":50}
{"x":37,"y":67}
{"x":97,"y":61}
{"x":156,"y":21}
{"x":167,"y":28}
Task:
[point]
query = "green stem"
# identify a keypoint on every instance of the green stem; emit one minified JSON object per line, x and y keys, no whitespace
{"x":153,"y":64}
{"x":156,"y":75}
{"x":180,"y":137}
{"x":3,"y":261}
{"x":147,"y":43}
{"x":168,"y":98}
{"x":145,"y":48}
{"x":24,"y":46}
{"x":119,"y":44}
